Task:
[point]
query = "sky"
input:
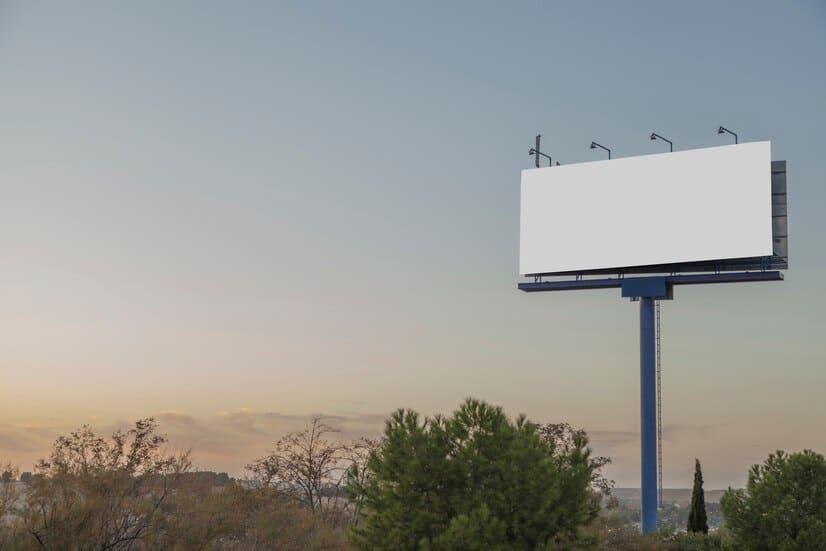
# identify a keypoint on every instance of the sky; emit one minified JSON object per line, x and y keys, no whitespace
{"x":232,"y":216}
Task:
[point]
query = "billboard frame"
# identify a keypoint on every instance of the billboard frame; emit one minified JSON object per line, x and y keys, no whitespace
{"x":779,"y":260}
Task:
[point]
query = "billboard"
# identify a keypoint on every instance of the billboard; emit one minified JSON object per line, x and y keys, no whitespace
{"x":697,"y":206}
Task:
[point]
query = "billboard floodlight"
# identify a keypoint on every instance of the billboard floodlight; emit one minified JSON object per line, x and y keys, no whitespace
{"x":655,"y":136}
{"x":533,"y":151}
{"x":536,"y":152}
{"x":595,"y":145}
{"x":723,"y":130}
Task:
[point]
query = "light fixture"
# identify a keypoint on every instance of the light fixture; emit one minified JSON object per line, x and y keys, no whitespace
{"x":655,"y":136}
{"x":723,"y":130}
{"x":595,"y":145}
{"x":535,"y":151}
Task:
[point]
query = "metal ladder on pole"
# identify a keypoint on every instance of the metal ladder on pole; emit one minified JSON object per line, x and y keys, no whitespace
{"x":659,"y":411}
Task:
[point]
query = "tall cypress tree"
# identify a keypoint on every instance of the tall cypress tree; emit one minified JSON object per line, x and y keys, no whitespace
{"x":697,"y":519}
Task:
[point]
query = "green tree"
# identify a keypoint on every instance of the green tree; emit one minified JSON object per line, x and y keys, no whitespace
{"x":475,"y":480}
{"x":783,"y":507}
{"x":697,"y":519}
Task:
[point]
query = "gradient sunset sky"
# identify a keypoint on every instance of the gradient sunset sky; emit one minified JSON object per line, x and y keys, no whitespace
{"x":233,"y":215}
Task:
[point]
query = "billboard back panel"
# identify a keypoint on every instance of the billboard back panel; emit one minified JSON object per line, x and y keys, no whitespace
{"x":687,"y":206}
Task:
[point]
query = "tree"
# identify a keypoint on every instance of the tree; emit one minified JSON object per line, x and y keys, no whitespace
{"x":358,"y":454}
{"x":565,"y":440}
{"x":304,"y":462}
{"x":126,"y":493}
{"x":8,"y":490}
{"x":475,"y":480}
{"x":312,"y":467}
{"x":208,"y":514}
{"x":697,"y":519}
{"x":100,"y":493}
{"x":783,"y":506}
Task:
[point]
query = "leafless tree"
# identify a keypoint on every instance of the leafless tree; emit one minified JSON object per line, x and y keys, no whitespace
{"x":565,"y":440}
{"x":358,"y":454}
{"x":314,"y":468}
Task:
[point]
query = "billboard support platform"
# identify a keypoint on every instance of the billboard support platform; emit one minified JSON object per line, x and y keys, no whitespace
{"x":755,"y":233}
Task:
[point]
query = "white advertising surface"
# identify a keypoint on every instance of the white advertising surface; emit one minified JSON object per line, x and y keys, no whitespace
{"x":703,"y":204}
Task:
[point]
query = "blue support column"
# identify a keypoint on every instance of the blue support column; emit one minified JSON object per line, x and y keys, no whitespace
{"x":648,"y":289}
{"x":648,"y":415}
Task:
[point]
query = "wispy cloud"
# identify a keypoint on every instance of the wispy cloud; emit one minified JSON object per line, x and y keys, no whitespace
{"x":671,"y":433}
{"x":175,"y":418}
{"x":612,"y":438}
{"x":676,"y":432}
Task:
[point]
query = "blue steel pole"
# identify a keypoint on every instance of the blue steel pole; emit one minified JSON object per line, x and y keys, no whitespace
{"x":648,"y":415}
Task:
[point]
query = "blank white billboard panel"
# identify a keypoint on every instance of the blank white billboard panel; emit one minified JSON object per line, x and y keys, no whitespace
{"x":703,"y":204}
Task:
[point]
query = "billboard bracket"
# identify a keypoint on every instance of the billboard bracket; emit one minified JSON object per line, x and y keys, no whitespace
{"x":579,"y":284}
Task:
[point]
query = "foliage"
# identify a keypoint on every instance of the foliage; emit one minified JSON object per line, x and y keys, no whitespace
{"x":783,"y":506}
{"x":565,"y":440}
{"x":8,"y":489}
{"x":232,"y":516}
{"x":475,"y":480}
{"x":358,"y":454}
{"x":613,"y":535}
{"x":697,"y":519}
{"x":110,"y":492}
{"x":203,"y":515}
{"x":697,"y":541}
{"x":127,"y":493}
